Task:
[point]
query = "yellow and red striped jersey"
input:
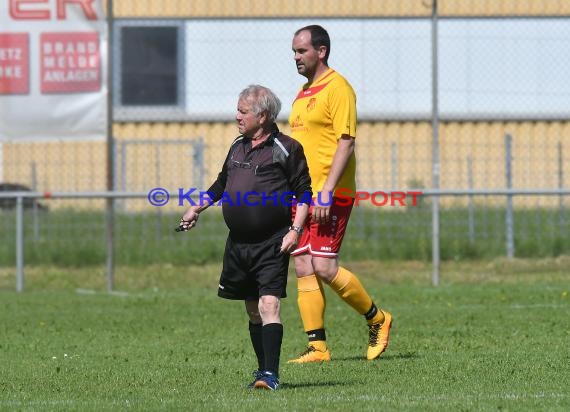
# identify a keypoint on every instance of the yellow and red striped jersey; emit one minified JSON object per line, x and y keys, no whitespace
{"x":321,"y":114}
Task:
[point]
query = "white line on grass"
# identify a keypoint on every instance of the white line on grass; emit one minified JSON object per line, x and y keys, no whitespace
{"x":452,"y":398}
{"x":94,"y":292}
{"x":486,"y":306}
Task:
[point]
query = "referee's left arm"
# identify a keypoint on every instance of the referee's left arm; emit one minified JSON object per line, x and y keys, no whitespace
{"x":298,"y":174}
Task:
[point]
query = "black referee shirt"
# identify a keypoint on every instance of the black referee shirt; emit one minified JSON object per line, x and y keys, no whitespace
{"x":256,"y":185}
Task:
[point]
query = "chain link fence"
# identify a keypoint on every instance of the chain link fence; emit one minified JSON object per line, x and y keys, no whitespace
{"x":502,"y":111}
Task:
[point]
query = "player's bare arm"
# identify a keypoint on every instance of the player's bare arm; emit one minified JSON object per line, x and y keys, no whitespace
{"x":345,"y":149}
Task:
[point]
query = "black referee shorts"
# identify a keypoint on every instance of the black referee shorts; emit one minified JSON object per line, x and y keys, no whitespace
{"x":254,"y":269}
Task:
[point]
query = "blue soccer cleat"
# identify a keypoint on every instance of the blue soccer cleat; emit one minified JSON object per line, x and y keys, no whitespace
{"x":268,"y":380}
{"x":256,"y":376}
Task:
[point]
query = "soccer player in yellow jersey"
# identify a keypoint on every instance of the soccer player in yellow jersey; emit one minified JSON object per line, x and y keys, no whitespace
{"x":323,"y":120}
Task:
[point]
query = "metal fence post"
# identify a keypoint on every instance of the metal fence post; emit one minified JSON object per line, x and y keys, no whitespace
{"x":158,"y":228}
{"x":19,"y":244}
{"x":470,"y":205}
{"x":34,"y":187}
{"x":110,"y":202}
{"x":394,"y":165}
{"x":124,"y":146}
{"x":509,"y":215}
{"x":435,"y":151}
{"x":562,"y":214}
{"x":198,"y":161}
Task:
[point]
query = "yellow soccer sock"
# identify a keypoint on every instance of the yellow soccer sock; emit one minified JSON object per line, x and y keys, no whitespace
{"x":311,"y":301}
{"x":349,"y":288}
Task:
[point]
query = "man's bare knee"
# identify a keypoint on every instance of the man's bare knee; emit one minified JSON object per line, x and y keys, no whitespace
{"x":303,"y":265}
{"x":325,"y":268}
{"x":252,"y":309}
{"x":268,"y":306}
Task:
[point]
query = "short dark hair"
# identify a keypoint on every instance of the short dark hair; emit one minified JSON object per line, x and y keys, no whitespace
{"x":319,"y":37}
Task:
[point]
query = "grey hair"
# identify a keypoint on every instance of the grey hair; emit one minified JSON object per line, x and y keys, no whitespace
{"x":262,"y":100}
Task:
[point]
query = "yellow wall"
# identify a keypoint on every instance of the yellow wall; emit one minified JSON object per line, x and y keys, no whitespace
{"x":270,"y":8}
{"x":334,"y":8}
{"x":503,"y":7}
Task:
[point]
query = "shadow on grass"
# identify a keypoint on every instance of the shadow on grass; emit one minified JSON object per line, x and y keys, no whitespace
{"x":384,"y":357}
{"x":314,"y":384}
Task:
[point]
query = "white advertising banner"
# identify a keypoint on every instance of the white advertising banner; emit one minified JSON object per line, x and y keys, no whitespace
{"x":53,"y":70}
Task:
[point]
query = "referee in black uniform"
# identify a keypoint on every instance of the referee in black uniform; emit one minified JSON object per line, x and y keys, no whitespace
{"x":263,"y":171}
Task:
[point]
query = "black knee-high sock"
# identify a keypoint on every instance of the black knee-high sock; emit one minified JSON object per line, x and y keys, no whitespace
{"x":255,"y":334}
{"x":272,"y":335}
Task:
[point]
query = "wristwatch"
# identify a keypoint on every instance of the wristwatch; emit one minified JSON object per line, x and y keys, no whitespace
{"x":297,"y":229}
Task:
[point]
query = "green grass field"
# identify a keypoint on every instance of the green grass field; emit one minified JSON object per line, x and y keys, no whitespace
{"x":494,"y":336}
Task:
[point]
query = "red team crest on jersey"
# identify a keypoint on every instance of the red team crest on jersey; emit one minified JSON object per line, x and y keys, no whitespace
{"x":297,"y":122}
{"x":312,"y":104}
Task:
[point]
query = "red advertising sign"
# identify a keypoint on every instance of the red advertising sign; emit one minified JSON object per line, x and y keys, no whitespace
{"x":53,"y":67}
{"x":14,"y":63}
{"x":70,"y":62}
